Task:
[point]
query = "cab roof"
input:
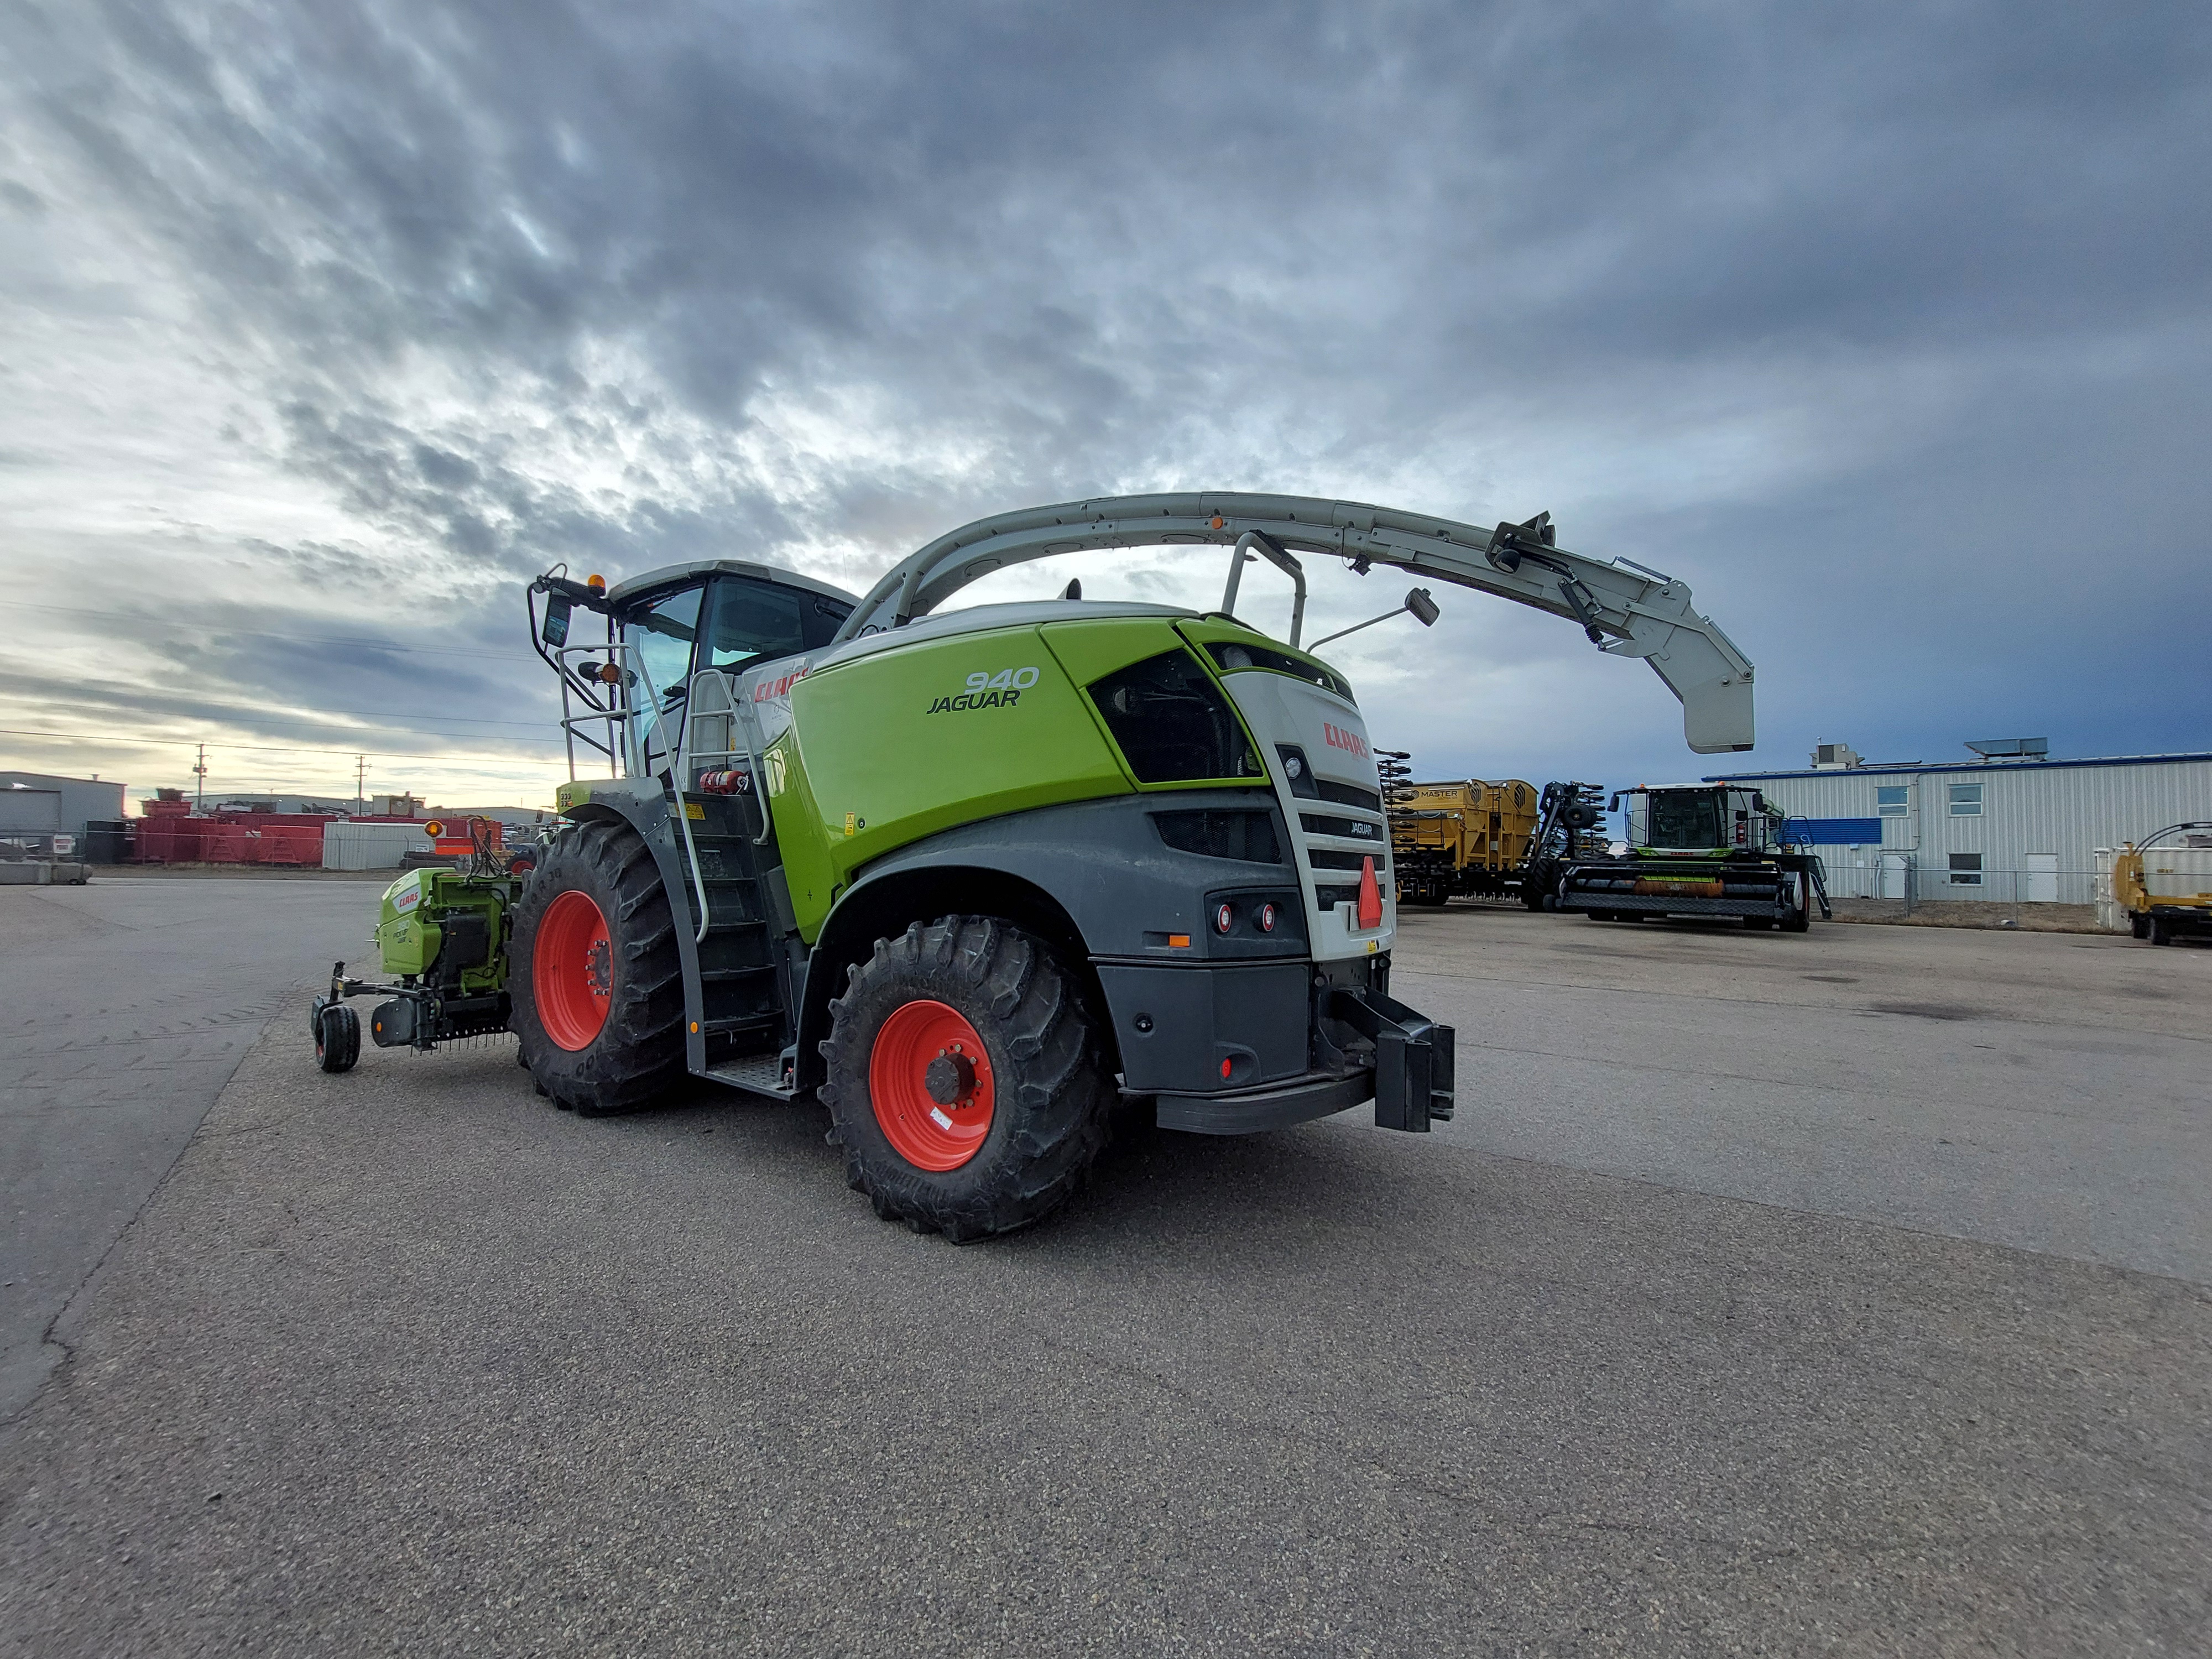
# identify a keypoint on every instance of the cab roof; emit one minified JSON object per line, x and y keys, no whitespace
{"x":673,"y":575}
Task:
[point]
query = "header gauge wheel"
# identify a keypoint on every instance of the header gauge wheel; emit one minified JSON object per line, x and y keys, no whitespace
{"x":597,"y":982}
{"x":966,"y":1080}
{"x":338,"y":1037}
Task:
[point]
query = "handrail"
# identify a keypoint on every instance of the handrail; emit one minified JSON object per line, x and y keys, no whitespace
{"x":676,"y":779}
{"x":2170,"y":829}
{"x":571,"y":722}
{"x":1253,"y":542}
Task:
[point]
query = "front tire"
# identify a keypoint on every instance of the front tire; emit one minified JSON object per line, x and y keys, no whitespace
{"x":597,"y":983}
{"x":965,"y":1079}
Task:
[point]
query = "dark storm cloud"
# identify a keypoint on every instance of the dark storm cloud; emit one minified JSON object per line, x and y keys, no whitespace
{"x":1942,"y":275}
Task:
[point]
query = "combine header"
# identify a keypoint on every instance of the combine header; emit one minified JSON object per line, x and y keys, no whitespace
{"x":1700,"y":850}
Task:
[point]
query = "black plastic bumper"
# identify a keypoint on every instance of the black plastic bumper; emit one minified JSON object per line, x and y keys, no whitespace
{"x":1410,"y":1082}
{"x":1251,"y":1110}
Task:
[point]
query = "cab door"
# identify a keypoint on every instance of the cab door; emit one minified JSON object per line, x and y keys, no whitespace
{"x":660,"y":635}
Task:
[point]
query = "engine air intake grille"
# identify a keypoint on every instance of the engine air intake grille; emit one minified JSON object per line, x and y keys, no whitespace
{"x":1218,"y":834}
{"x":1172,"y":723}
{"x":1345,"y":794}
{"x":1233,"y":654}
{"x":1328,"y":857}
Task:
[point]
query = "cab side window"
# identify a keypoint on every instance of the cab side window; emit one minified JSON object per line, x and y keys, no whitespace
{"x":755,"y":621}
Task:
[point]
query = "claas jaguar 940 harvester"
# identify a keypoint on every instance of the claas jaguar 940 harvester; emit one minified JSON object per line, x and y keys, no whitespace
{"x":976,"y":877}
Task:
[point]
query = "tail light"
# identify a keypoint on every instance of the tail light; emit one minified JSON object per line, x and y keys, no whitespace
{"x":1224,"y":917}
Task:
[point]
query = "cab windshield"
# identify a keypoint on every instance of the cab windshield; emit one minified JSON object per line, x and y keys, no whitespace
{"x":1684,"y":820}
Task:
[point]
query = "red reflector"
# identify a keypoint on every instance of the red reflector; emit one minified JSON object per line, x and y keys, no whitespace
{"x":1223,"y":918}
{"x":1225,"y":1068}
{"x":1266,"y":918}
{"x":1371,"y":895}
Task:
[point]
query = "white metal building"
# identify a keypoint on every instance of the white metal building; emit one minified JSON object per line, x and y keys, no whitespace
{"x":2014,"y":829}
{"x":36,"y":805}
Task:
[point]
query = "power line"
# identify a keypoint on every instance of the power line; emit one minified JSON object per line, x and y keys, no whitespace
{"x":289,"y":639}
{"x":222,"y":715}
{"x":257,"y":749}
{"x":226,"y":715}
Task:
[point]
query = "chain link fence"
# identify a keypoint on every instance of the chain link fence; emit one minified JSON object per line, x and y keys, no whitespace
{"x":1894,"y":884}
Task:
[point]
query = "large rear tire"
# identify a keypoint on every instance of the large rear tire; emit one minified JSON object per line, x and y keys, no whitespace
{"x":594,"y":971}
{"x":965,"y":1080}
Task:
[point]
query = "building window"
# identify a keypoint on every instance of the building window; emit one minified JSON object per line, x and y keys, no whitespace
{"x":1965,"y":869}
{"x":1890,"y":800}
{"x":1965,"y":800}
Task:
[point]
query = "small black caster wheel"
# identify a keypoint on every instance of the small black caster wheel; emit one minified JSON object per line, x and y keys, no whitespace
{"x":337,"y":1038}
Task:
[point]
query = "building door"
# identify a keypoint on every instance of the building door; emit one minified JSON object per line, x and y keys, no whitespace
{"x":1892,"y":875}
{"x":2042,"y":885}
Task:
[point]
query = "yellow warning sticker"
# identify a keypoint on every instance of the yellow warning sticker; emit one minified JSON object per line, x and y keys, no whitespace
{"x":850,"y":821}
{"x":695,"y":809}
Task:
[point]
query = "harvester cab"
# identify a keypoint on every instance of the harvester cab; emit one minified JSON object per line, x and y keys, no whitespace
{"x":977,"y":878}
{"x":1700,"y":850}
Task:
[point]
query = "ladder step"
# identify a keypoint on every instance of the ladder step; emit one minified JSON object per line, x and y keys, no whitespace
{"x":763,"y":1074}
{"x":719,"y":925}
{"x":724,"y":975}
{"x":741,"y":1023}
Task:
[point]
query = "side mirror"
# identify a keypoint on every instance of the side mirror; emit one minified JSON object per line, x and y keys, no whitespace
{"x":1614,"y":805}
{"x":555,"y":630}
{"x":1757,"y":801}
{"x":1422,"y":607}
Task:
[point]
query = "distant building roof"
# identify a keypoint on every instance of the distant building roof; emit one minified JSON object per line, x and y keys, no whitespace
{"x":1893,"y":767}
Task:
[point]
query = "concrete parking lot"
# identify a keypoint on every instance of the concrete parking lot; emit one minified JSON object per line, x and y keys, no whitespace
{"x":1843,"y":1293}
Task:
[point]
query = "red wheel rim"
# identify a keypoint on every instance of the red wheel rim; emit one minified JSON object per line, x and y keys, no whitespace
{"x":571,"y":970}
{"x":931,"y":1130}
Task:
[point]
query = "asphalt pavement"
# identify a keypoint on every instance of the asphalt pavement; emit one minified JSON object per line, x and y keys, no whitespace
{"x":124,"y":1006}
{"x":2046,"y":1091}
{"x":1660,"y":1347}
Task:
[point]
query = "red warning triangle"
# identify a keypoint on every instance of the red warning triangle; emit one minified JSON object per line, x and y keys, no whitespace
{"x":1371,"y":895}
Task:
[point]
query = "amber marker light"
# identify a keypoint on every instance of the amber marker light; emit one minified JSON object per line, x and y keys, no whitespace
{"x":1179,"y":941}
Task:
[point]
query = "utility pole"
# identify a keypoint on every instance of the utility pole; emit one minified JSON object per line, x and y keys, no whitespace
{"x":360,"y":785}
{"x":199,"y":782}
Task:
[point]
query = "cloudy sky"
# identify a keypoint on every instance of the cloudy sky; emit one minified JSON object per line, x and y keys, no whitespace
{"x":323,"y":326}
